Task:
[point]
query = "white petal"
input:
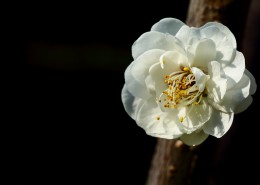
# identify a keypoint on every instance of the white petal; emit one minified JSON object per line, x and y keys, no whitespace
{"x":131,"y":104}
{"x":157,"y":75}
{"x":160,"y":135}
{"x":168,"y":25}
{"x":223,"y":29}
{"x":195,"y":138}
{"x":157,"y":123}
{"x":205,"y":52}
{"x":172,"y":124}
{"x":189,"y":36}
{"x":173,"y":61}
{"x":135,"y":87}
{"x":223,"y":39}
{"x":244,"y":105}
{"x":253,"y":85}
{"x":142,"y":64}
{"x":214,"y":70}
{"x":147,"y":117}
{"x":238,"y":93}
{"x":140,"y":69}
{"x":225,"y":52}
{"x":200,"y":77}
{"x":154,"y":40}
{"x":224,"y":46}
{"x":235,"y":70}
{"x":170,"y":62}
{"x":137,"y":71}
{"x":194,"y":116}
{"x":216,"y":85}
{"x":150,"y":85}
{"x":235,"y":96}
{"x":171,"y":127}
{"x":219,"y":123}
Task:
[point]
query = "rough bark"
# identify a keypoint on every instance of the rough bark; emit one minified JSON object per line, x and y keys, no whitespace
{"x":173,"y":162}
{"x":201,"y":11}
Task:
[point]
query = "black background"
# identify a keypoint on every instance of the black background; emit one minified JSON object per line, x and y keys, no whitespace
{"x":65,"y":116}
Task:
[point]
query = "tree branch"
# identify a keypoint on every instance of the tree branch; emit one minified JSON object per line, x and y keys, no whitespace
{"x":173,"y":162}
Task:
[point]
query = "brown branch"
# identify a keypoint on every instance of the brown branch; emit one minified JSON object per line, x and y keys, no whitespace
{"x":173,"y":162}
{"x":201,"y":11}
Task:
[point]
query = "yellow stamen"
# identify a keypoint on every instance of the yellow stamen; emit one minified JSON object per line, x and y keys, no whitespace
{"x":185,"y":69}
{"x":181,"y":90}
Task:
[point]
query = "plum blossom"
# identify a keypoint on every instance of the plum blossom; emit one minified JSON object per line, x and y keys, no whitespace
{"x":186,"y":82}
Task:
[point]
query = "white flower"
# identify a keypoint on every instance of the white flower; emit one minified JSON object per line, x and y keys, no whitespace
{"x":186,"y":82}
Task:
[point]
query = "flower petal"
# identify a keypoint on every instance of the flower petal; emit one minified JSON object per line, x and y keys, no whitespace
{"x":155,"y":122}
{"x":147,"y":117}
{"x":137,"y":71}
{"x":216,"y":85}
{"x":200,"y":77}
{"x":223,"y":29}
{"x":168,"y":25}
{"x":219,"y":123}
{"x":131,"y":104}
{"x":238,"y":93}
{"x":234,"y":97}
{"x":194,"y":116}
{"x":172,"y":125}
{"x":157,"y":75}
{"x":235,"y":70}
{"x":253,"y":85}
{"x":246,"y":102}
{"x":189,"y":36}
{"x":224,"y":46}
{"x":205,"y":52}
{"x":154,"y":40}
{"x":160,"y":135}
{"x":195,"y":138}
{"x":140,"y":69}
{"x":170,"y":62}
{"x":135,"y":87}
{"x":150,"y":85}
{"x":243,"y":105}
{"x":142,"y":64}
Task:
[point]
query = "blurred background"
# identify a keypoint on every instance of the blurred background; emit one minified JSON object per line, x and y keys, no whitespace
{"x":66,"y":119}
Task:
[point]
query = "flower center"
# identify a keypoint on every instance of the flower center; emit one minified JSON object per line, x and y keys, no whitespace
{"x":182,"y":89}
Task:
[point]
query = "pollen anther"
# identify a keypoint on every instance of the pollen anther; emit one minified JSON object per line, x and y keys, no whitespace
{"x":182,"y":89}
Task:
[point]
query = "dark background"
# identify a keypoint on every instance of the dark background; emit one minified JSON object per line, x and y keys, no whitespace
{"x":66,"y":119}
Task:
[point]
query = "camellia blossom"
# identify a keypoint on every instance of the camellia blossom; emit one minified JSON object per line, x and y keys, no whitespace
{"x":186,"y":82}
